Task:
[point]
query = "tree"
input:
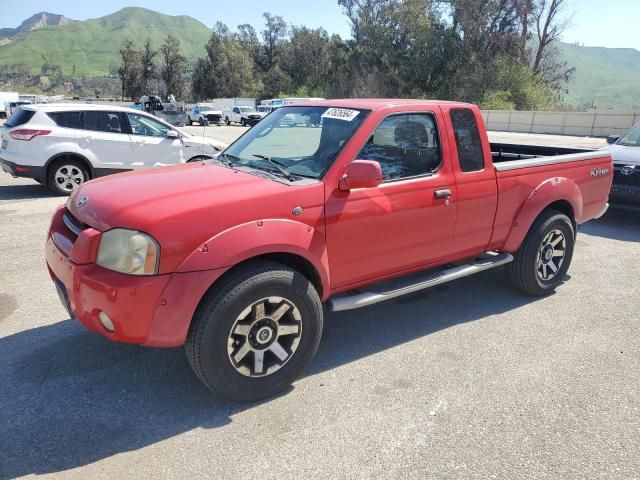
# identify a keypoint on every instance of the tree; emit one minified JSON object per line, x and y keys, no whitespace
{"x":549,"y":26}
{"x":129,"y":70}
{"x":273,"y":34}
{"x":173,"y":68}
{"x":148,"y":69}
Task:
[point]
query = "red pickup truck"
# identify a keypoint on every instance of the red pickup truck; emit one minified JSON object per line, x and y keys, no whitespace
{"x":346,"y":202}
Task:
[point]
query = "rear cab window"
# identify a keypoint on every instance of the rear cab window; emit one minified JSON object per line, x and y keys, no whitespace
{"x":65,"y":119}
{"x":19,"y":117}
{"x":465,"y":128}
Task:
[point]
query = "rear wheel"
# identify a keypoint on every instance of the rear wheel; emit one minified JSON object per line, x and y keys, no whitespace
{"x":542,"y":262}
{"x":252,"y":336}
{"x":65,"y":175}
{"x":227,"y":121}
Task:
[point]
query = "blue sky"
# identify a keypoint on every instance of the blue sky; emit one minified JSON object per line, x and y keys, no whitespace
{"x":595,"y":23}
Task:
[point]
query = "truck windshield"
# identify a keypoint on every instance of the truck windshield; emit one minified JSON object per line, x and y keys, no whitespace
{"x":632,"y":138}
{"x":305,"y":140}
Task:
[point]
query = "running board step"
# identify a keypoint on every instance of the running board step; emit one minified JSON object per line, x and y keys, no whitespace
{"x":416,"y":282}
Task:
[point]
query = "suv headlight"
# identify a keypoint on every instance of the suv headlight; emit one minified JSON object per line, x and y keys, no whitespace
{"x":128,"y":251}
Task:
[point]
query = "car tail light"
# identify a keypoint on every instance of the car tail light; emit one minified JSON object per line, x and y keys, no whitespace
{"x":27,"y":134}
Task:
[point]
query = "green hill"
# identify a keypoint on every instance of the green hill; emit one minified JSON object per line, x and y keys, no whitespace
{"x":92,"y":45}
{"x":605,"y":77}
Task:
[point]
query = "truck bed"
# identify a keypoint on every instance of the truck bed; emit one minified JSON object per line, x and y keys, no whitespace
{"x":505,"y":152}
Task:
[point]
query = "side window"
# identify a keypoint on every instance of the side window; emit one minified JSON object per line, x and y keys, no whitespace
{"x":102,"y":121}
{"x":405,"y":146}
{"x":236,"y":110}
{"x":468,"y":140}
{"x":143,"y":125}
{"x":65,"y":119}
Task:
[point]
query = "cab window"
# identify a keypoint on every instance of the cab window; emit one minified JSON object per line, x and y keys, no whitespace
{"x":405,"y":145}
{"x":468,"y":140}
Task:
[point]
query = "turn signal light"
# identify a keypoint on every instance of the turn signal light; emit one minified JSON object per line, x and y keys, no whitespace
{"x":27,"y":134}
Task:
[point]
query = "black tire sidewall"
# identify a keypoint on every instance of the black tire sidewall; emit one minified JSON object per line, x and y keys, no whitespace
{"x":217,"y":369}
{"x":546,"y":225}
{"x":51,"y":171}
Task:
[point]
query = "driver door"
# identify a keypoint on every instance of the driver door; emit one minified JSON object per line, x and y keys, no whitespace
{"x":151,"y":146}
{"x":405,"y":223}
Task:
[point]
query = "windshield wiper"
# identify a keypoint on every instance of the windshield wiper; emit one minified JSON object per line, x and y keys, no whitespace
{"x":227,"y":159}
{"x":279,"y":165}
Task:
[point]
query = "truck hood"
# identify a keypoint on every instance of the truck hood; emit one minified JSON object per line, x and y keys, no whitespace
{"x":183,"y":206}
{"x":623,"y":154}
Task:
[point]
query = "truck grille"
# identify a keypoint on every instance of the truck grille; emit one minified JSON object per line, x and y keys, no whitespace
{"x":73,"y":223}
{"x":626,"y":175}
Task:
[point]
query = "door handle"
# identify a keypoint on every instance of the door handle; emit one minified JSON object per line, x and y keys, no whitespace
{"x":442,"y":193}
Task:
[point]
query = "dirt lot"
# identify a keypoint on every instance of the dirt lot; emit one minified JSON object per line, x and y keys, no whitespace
{"x":469,"y":380}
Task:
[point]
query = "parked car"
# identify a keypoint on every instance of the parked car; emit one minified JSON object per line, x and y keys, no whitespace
{"x":63,"y":146}
{"x":625,"y":150}
{"x":245,"y":116}
{"x":205,"y":114}
{"x":11,"y":107}
{"x":234,"y":258}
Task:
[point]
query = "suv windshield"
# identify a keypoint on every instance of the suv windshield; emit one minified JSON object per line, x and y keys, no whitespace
{"x":304,"y":140}
{"x":632,"y":138}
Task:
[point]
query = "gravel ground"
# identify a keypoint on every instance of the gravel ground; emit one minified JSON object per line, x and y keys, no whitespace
{"x":469,"y":380}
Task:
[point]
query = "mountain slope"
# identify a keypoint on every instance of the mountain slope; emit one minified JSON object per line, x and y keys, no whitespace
{"x":91,"y":46}
{"x":606,"y":77}
{"x":35,"y":22}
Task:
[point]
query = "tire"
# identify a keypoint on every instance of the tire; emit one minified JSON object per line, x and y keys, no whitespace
{"x":65,"y":175}
{"x":243,"y":122}
{"x":201,"y":121}
{"x":199,"y":158}
{"x":548,"y":246}
{"x":189,"y":121}
{"x":227,"y":121}
{"x":227,"y":362}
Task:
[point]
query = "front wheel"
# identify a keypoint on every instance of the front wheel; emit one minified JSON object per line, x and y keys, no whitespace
{"x":243,"y":122}
{"x":541,"y":263}
{"x":253,"y":335}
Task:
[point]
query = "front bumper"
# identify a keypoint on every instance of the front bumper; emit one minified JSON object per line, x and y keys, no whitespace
{"x":154,"y":311}
{"x":625,"y":195}
{"x":252,"y":121}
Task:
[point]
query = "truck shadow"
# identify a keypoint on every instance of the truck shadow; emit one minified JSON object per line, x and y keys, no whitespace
{"x":71,"y":398}
{"x":617,"y":225}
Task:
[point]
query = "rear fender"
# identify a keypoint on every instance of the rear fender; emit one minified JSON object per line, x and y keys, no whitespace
{"x":261,"y":237}
{"x":550,"y":191}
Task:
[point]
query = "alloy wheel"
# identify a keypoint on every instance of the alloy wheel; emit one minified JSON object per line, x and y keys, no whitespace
{"x":551,"y":255}
{"x":264,"y":337}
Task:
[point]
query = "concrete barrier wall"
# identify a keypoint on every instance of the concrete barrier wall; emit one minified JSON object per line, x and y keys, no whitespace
{"x":588,"y":124}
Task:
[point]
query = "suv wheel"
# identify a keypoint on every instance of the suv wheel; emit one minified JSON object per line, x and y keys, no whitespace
{"x":543,"y":260}
{"x":65,"y":175}
{"x":252,"y":337}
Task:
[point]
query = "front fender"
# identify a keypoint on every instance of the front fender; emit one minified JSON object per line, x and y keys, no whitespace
{"x":249,"y":240}
{"x":550,"y":191}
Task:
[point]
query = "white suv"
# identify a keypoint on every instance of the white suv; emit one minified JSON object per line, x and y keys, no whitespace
{"x":63,"y":146}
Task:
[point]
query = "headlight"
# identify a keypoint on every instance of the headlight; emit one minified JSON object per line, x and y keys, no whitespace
{"x":128,"y":251}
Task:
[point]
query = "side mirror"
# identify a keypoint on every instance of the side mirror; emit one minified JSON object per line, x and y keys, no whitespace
{"x":361,"y":174}
{"x":172,"y":134}
{"x":613,"y":138}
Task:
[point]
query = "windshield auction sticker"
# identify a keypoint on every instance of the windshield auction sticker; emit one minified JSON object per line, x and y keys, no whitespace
{"x":341,"y":114}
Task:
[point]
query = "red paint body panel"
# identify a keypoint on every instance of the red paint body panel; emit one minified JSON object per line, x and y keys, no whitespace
{"x":208,"y":219}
